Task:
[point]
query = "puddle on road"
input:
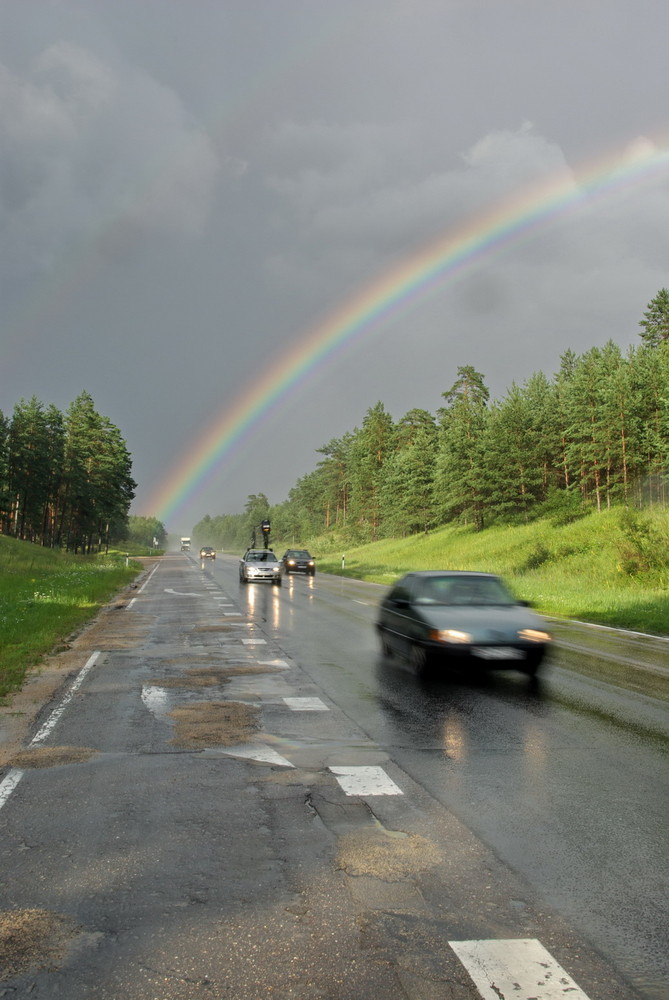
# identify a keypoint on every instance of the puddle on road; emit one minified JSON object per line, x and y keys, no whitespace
{"x":211,"y":676}
{"x":223,"y":627}
{"x":385,"y":855}
{"x":214,"y":723}
{"x":32,"y":940}
{"x":51,"y":756}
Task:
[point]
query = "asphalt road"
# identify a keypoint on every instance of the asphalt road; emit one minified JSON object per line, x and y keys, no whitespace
{"x":370,"y":836}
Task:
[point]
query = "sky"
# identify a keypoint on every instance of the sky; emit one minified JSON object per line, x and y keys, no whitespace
{"x":238,"y":224}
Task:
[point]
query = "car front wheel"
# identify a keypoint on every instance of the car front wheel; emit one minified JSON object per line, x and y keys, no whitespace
{"x":386,"y":648}
{"x":419,"y":659}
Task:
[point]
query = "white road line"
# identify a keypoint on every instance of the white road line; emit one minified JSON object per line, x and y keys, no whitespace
{"x":180,"y":593}
{"x":280,"y":664}
{"x":57,"y":712}
{"x":8,"y":784}
{"x":254,"y":642}
{"x":147,"y":579}
{"x":130,"y":604}
{"x":366,"y":781}
{"x":306,"y":705}
{"x":521,"y":969}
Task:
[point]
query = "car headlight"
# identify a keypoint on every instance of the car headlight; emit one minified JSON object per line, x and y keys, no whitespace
{"x":291,"y":562}
{"x":450,"y":635}
{"x":534,"y":635}
{"x":276,"y":568}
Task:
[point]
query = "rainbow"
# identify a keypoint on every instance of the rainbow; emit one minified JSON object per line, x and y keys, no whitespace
{"x":434,"y":265}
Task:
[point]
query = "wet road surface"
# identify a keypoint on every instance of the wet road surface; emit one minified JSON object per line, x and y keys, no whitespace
{"x":370,"y":838}
{"x":566,"y":779}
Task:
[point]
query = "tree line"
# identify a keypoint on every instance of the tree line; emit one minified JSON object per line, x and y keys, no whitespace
{"x":65,"y":478}
{"x":594,"y":435}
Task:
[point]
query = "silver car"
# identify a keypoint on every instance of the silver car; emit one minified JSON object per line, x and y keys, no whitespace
{"x":439,"y":617}
{"x":260,"y":564}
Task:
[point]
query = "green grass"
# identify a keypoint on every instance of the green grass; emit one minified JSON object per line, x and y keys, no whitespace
{"x":604,"y":568}
{"x":44,"y":597}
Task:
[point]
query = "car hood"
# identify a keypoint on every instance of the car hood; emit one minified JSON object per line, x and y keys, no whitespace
{"x":484,"y":624}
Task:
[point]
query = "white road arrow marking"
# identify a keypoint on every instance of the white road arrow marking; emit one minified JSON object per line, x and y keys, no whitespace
{"x":180,"y":593}
{"x":521,"y":969}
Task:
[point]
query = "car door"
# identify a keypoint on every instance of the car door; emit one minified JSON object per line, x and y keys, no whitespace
{"x":396,"y":618}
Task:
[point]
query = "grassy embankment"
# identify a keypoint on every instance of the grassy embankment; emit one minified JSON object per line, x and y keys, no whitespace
{"x":44,"y":597}
{"x":611,"y":568}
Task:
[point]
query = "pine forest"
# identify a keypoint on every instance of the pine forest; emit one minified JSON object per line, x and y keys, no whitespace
{"x":593,"y":436}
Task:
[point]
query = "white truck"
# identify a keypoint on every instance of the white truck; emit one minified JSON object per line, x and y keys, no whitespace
{"x":185,"y":544}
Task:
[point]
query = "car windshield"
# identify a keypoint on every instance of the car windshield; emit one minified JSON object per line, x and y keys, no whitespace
{"x":451,"y":590}
{"x":299,"y":554}
{"x":261,"y":557}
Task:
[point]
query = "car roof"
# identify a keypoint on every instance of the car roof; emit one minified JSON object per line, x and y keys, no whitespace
{"x":449,"y":572}
{"x":269,"y":552}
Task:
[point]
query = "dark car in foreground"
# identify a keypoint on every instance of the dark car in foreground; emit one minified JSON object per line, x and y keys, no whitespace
{"x":206,"y":552}
{"x":298,"y":561}
{"x":259,"y":564}
{"x":440,"y":617}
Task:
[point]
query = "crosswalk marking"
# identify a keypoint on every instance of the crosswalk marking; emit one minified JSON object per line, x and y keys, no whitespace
{"x":519,"y":968}
{"x":365,"y":780}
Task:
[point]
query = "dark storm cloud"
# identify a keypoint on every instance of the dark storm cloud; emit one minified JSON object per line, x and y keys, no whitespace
{"x":187,"y":189}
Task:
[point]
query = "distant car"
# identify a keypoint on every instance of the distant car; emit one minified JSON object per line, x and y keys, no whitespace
{"x":259,"y":564}
{"x":298,"y":561}
{"x":206,"y":552}
{"x":471,"y":619}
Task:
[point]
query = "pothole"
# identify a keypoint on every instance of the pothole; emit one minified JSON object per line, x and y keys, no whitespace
{"x":214,"y":723}
{"x":51,"y":756}
{"x":32,"y":940}
{"x":372,"y":852}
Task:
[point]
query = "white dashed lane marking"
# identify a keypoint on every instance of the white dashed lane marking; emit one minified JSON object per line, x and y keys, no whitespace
{"x":254,"y":642}
{"x":521,"y":969}
{"x":306,"y":705}
{"x":365,"y":781}
{"x":258,"y":752}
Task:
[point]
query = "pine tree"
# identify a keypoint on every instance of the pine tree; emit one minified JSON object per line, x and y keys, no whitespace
{"x":460,"y":478}
{"x":655,"y":324}
{"x":370,"y":448}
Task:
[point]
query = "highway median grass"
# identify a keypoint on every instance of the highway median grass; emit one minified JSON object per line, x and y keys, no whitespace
{"x":46,"y":595}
